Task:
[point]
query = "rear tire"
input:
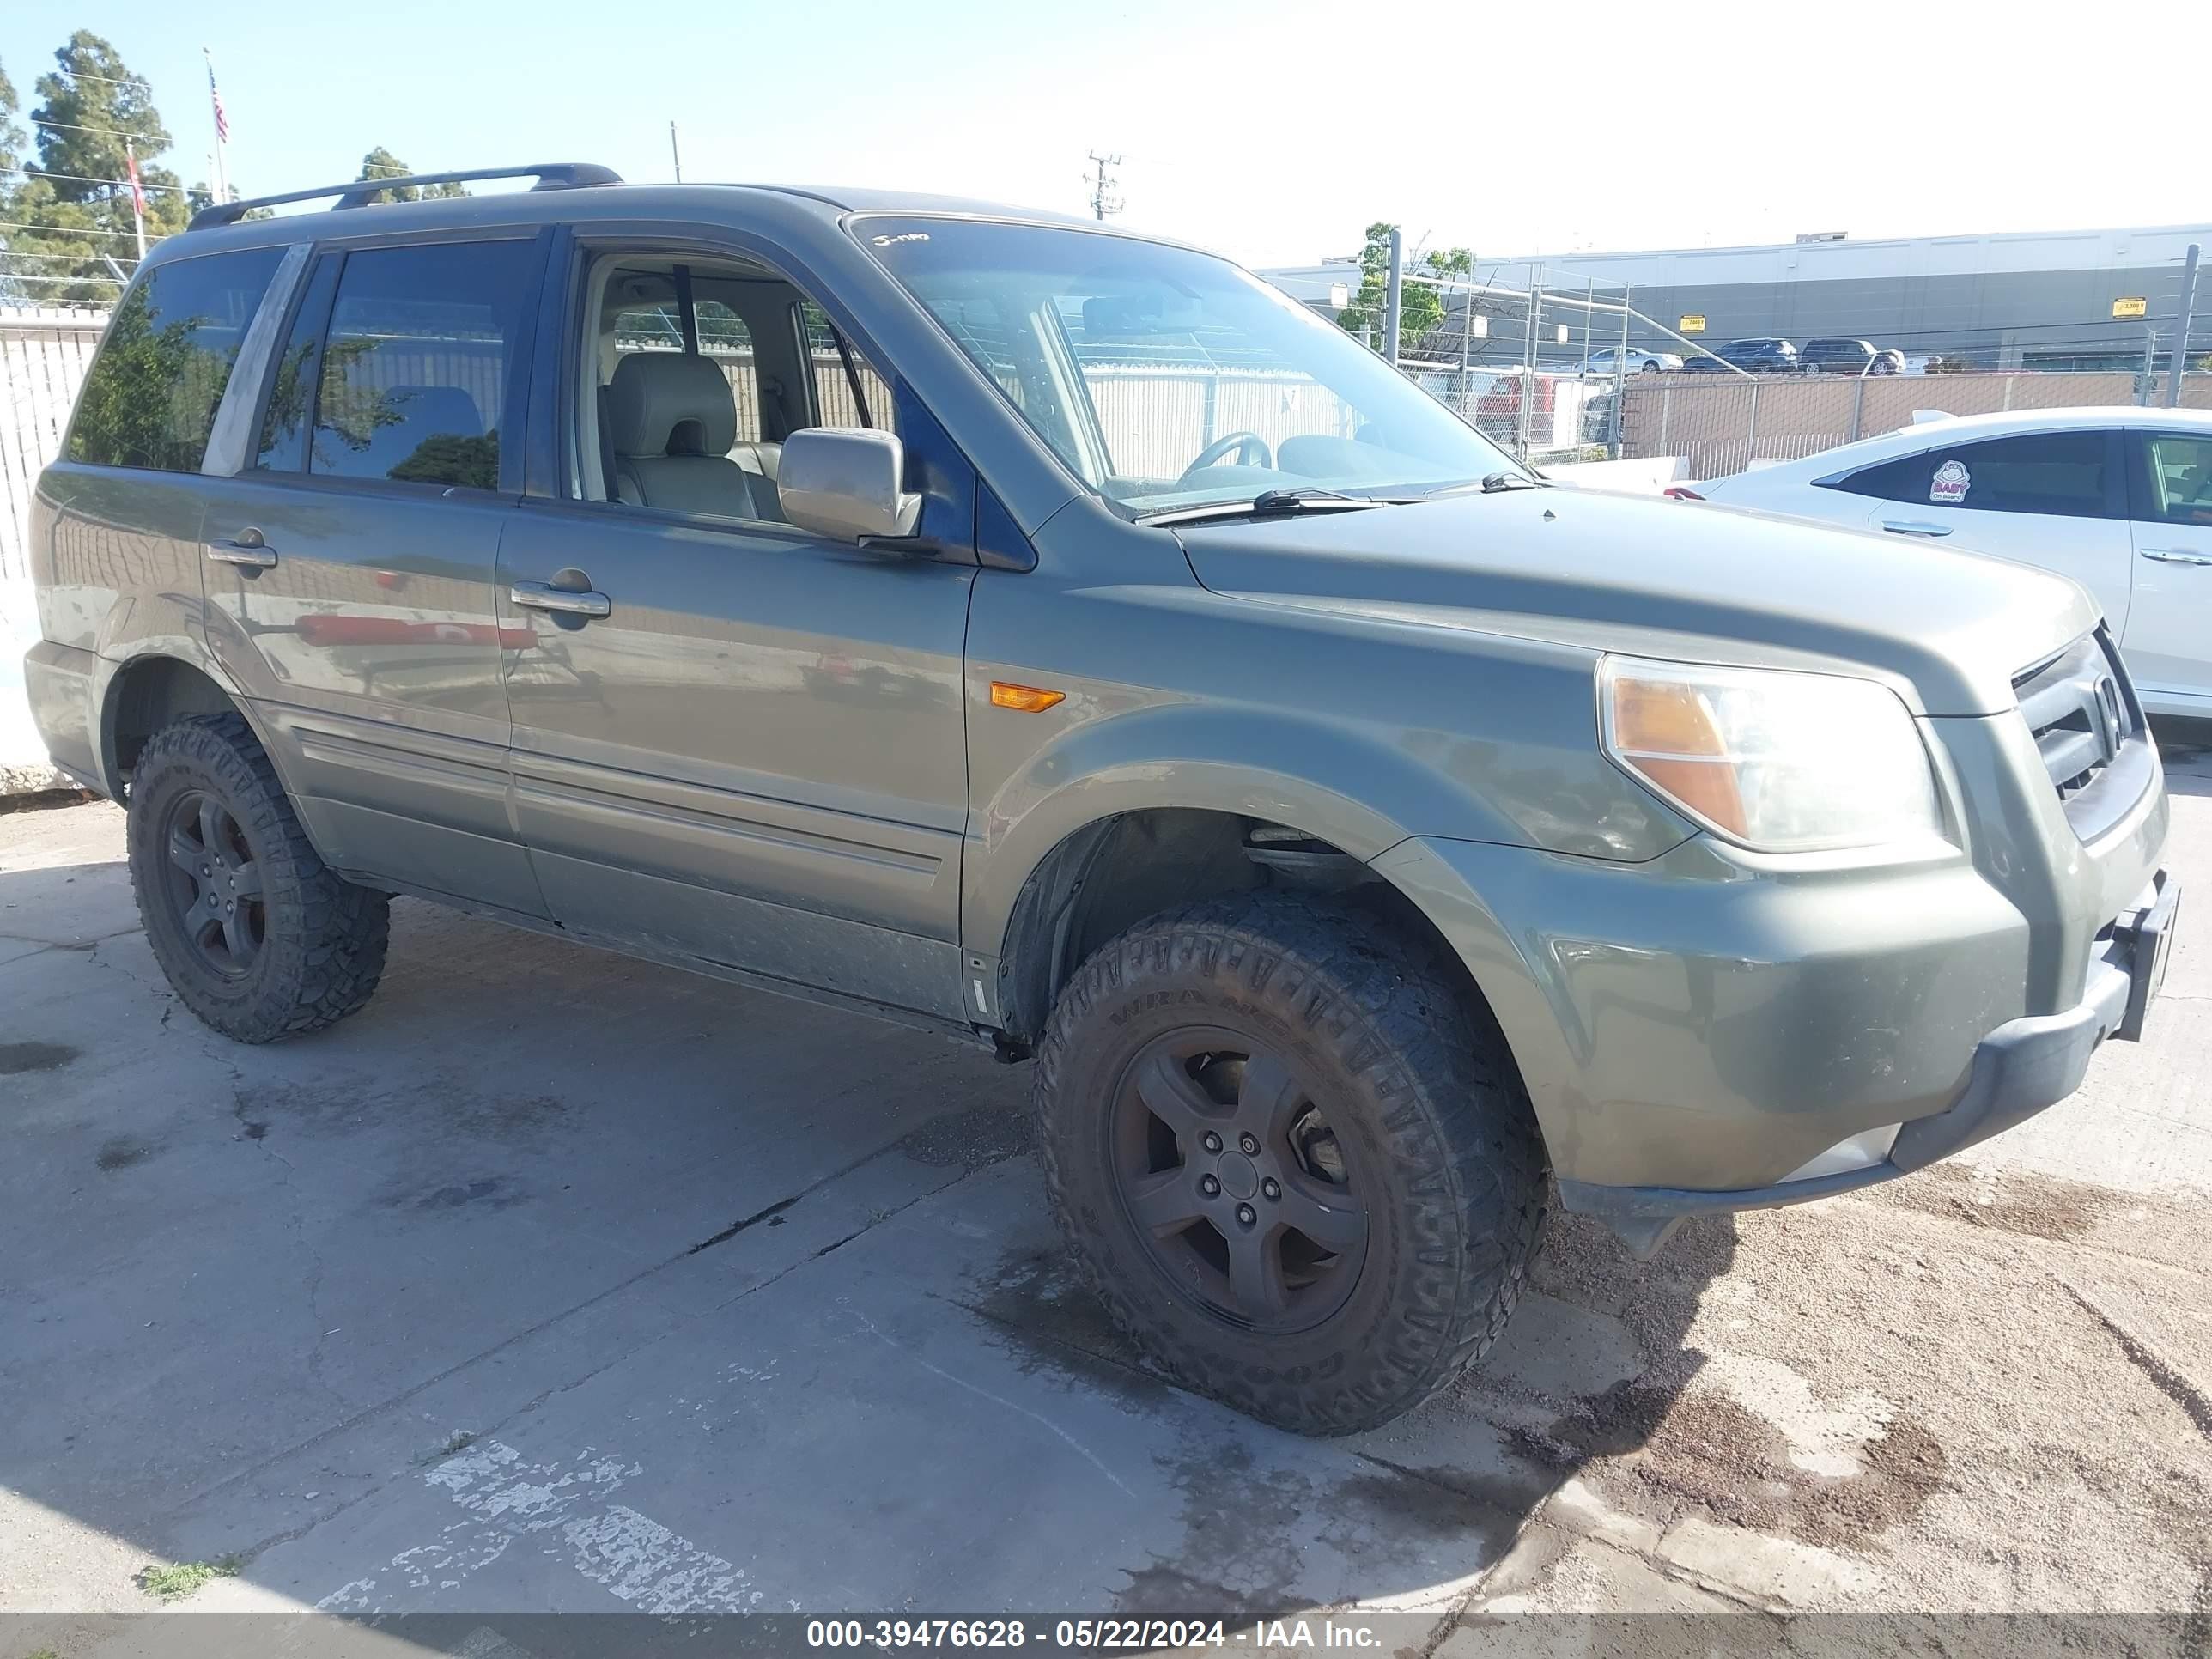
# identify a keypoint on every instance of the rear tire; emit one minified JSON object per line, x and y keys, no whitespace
{"x":258,"y":937}
{"x":1391,"y":1100}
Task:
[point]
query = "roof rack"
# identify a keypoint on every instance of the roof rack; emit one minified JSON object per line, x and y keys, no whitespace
{"x":360,"y":192}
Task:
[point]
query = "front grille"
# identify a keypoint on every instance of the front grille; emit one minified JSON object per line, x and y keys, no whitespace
{"x":2083,"y":716}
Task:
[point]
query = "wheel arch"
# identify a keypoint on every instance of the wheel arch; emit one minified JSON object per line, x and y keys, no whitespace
{"x":146,"y":692}
{"x":1110,"y":874}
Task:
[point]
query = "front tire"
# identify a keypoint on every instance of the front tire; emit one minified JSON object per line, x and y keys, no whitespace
{"x":1297,"y":1166}
{"x":258,"y":937}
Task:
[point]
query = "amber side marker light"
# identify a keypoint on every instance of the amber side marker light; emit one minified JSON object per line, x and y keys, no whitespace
{"x":1024,"y":699}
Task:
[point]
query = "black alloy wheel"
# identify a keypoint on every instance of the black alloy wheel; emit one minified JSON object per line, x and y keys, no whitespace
{"x":1235,"y":1181}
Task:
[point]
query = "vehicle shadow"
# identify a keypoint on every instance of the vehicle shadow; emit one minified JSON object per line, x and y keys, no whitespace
{"x":2186,"y":745}
{"x":245,"y":1293}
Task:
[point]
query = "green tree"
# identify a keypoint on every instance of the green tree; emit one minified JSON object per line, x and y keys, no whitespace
{"x":11,"y":136}
{"x":1420,"y":306}
{"x":75,"y":195}
{"x":92,"y":104}
{"x":381,"y":163}
{"x":11,"y":157}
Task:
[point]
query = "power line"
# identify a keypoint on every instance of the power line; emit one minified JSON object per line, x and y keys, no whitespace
{"x":106,"y":80}
{"x":67,"y":126}
{"x":7,"y":253}
{"x":78,"y":178}
{"x":59,"y":230}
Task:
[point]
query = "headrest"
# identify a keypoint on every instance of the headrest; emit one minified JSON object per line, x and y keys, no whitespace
{"x":666,"y":403}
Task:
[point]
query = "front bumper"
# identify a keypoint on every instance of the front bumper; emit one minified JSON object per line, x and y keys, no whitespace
{"x":2018,"y":1069}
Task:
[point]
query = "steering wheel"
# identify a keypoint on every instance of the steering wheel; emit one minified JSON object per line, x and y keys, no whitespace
{"x":1248,"y":443}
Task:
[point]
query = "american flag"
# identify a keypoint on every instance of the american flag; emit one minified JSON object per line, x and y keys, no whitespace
{"x":221,"y":121}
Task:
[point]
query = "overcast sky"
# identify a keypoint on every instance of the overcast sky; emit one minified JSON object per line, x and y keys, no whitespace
{"x":1272,"y":132}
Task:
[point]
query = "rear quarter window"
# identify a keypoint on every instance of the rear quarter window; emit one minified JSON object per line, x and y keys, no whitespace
{"x":150,"y":398}
{"x":2064,"y":474}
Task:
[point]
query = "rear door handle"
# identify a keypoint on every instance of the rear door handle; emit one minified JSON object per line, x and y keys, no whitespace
{"x":1914,"y":527}
{"x":568,"y":601}
{"x":2176,"y":556}
{"x":254,"y":555}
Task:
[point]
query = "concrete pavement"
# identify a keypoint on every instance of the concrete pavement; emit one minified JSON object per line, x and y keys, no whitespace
{"x":557,"y":1281}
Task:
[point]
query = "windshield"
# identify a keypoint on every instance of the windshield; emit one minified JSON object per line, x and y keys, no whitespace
{"x":1167,"y":378}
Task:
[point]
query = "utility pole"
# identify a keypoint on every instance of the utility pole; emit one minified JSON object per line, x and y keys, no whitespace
{"x":2148,"y":378}
{"x":1522,"y":427}
{"x":1103,"y":199}
{"x":1393,"y":290}
{"x":2181,"y":326}
{"x":675,"y":155}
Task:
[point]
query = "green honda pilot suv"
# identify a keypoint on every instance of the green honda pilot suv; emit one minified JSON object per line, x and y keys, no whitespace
{"x":1056,"y":638}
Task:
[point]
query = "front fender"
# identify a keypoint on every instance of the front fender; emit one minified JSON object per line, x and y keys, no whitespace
{"x":1324,"y":778}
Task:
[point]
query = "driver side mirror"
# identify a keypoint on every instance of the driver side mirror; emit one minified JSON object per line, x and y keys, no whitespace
{"x":844,"y":482}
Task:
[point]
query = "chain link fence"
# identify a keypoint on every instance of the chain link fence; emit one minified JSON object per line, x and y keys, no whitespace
{"x":1721,"y":426}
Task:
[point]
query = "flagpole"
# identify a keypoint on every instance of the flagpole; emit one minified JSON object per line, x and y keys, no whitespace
{"x":222,"y":132}
{"x":137,"y":197}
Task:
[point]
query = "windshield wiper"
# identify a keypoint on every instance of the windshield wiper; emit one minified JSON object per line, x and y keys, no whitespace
{"x":1491,"y":484}
{"x":1304,"y":498}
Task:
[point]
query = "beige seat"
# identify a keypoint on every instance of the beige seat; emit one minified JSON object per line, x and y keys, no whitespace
{"x":671,"y":423}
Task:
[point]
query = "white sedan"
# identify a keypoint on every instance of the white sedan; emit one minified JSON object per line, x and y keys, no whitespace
{"x":2118,"y":499}
{"x":1636,"y":360}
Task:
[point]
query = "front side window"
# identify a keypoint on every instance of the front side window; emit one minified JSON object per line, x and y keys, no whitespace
{"x":2180,"y":478}
{"x":694,"y":372}
{"x":2062,"y":473}
{"x":847,"y":389}
{"x":150,"y":398}
{"x":1165,"y":377}
{"x":415,"y":363}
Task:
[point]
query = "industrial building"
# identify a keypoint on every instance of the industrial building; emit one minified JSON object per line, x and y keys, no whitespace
{"x":2051,"y":300}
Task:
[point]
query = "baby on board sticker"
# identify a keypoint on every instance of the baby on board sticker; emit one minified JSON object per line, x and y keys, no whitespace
{"x":1949,"y":486}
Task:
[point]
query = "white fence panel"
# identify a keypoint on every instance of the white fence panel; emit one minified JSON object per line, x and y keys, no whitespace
{"x":43,"y":357}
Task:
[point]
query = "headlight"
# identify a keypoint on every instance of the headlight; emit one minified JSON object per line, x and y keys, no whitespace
{"x":1781,"y":762}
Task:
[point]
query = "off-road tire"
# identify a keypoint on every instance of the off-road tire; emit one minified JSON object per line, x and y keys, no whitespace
{"x":323,"y":948}
{"x":1417,"y":1074}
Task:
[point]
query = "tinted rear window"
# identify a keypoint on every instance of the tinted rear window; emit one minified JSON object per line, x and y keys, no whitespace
{"x":150,"y":398}
{"x":2061,"y":473}
{"x":415,"y":362}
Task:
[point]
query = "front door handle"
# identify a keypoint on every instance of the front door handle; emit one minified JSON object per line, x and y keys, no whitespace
{"x":254,"y":555}
{"x":568,"y":601}
{"x":2176,"y":556}
{"x":1914,"y":527}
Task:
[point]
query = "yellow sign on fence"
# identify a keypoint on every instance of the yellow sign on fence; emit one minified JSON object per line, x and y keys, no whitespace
{"x":2134,"y":305}
{"x":1691,"y":325}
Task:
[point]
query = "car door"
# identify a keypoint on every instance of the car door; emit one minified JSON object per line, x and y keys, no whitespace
{"x":2168,"y":637}
{"x":735,"y":743}
{"x":349,"y":564}
{"x":2054,"y":499}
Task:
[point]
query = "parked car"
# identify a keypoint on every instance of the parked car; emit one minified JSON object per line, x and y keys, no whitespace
{"x":1357,"y":832}
{"x":1636,"y":360}
{"x":1848,"y":357}
{"x":2120,"y":500}
{"x":1752,"y":356}
{"x":1762,"y":356}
